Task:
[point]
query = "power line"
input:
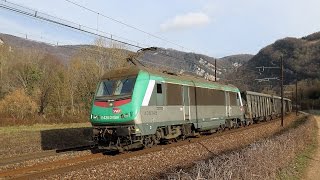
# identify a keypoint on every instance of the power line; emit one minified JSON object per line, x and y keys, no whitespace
{"x":179,"y":70}
{"x":169,"y":67}
{"x":69,"y":24}
{"x":125,"y":24}
{"x":62,"y":22}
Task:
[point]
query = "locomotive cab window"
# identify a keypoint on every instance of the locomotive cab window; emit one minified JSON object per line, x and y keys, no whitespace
{"x":238,"y":99}
{"x":159,"y":88}
{"x":160,"y":95}
{"x":116,"y":87}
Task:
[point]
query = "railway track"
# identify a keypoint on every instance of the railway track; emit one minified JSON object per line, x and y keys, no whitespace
{"x":26,"y":157}
{"x":66,"y":165}
{"x":38,"y":155}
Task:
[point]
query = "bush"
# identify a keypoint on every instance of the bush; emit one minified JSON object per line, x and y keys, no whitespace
{"x":18,"y":105}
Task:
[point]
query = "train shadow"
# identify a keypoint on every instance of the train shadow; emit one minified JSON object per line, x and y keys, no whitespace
{"x":68,"y":139}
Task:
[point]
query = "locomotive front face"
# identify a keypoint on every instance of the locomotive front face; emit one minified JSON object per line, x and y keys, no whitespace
{"x":113,"y":102}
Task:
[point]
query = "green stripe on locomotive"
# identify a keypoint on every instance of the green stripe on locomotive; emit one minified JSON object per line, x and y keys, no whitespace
{"x":105,"y":116}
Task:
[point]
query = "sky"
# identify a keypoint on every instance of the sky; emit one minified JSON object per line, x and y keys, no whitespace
{"x":212,"y":27}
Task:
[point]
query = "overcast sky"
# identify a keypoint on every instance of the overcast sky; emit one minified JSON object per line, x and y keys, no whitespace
{"x":212,"y":27}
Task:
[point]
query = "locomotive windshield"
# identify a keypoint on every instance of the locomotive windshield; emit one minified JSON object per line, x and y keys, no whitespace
{"x":116,"y":87}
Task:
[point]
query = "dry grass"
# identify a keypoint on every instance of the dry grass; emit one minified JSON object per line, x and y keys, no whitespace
{"x":260,"y":160}
{"x":10,"y":121}
{"x":17,"y":140}
{"x":298,"y":167}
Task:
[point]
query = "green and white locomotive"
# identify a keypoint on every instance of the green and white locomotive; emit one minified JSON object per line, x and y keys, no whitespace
{"x":139,"y":107}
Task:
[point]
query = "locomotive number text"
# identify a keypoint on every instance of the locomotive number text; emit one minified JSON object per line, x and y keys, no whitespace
{"x":150,"y":113}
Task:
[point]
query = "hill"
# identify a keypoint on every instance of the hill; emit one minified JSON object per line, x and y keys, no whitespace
{"x":20,"y":44}
{"x":165,"y":59}
{"x":301,"y":57}
{"x":233,"y":62}
{"x":193,"y":63}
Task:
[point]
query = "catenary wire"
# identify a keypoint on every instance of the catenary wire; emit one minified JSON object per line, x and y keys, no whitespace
{"x":35,"y":15}
{"x":126,"y":24}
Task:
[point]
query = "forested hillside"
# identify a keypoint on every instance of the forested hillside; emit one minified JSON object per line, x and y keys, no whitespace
{"x":37,"y":84}
{"x":301,"y":56}
{"x":301,"y":59}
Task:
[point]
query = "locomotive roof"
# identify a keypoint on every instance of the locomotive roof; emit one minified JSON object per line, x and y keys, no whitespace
{"x":120,"y":72}
{"x":180,"y":79}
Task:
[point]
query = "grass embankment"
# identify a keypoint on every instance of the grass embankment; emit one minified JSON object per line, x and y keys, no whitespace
{"x":17,"y":140}
{"x":261,"y":160}
{"x":298,"y":166}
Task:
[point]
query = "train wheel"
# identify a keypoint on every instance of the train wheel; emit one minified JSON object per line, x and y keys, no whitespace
{"x":269,"y":118}
{"x":242,"y":123}
{"x":235,"y":124}
{"x":156,"y":138}
{"x":148,"y":141}
{"x":221,"y":128}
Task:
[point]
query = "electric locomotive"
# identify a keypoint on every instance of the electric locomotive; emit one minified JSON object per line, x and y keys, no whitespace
{"x":139,"y":107}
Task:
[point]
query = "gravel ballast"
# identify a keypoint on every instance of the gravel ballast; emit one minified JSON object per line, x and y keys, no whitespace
{"x":151,"y":165}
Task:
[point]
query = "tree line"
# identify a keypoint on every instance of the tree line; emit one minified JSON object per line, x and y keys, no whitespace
{"x":38,"y":85}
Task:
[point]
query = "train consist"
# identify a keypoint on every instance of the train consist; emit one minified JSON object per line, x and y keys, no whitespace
{"x":139,"y":107}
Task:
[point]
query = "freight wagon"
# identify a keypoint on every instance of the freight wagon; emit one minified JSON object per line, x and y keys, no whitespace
{"x":259,"y":106}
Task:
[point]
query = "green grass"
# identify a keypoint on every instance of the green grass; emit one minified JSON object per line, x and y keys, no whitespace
{"x":298,"y":167}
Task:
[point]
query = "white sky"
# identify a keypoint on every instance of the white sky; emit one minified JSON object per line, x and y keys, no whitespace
{"x":215,"y":28}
